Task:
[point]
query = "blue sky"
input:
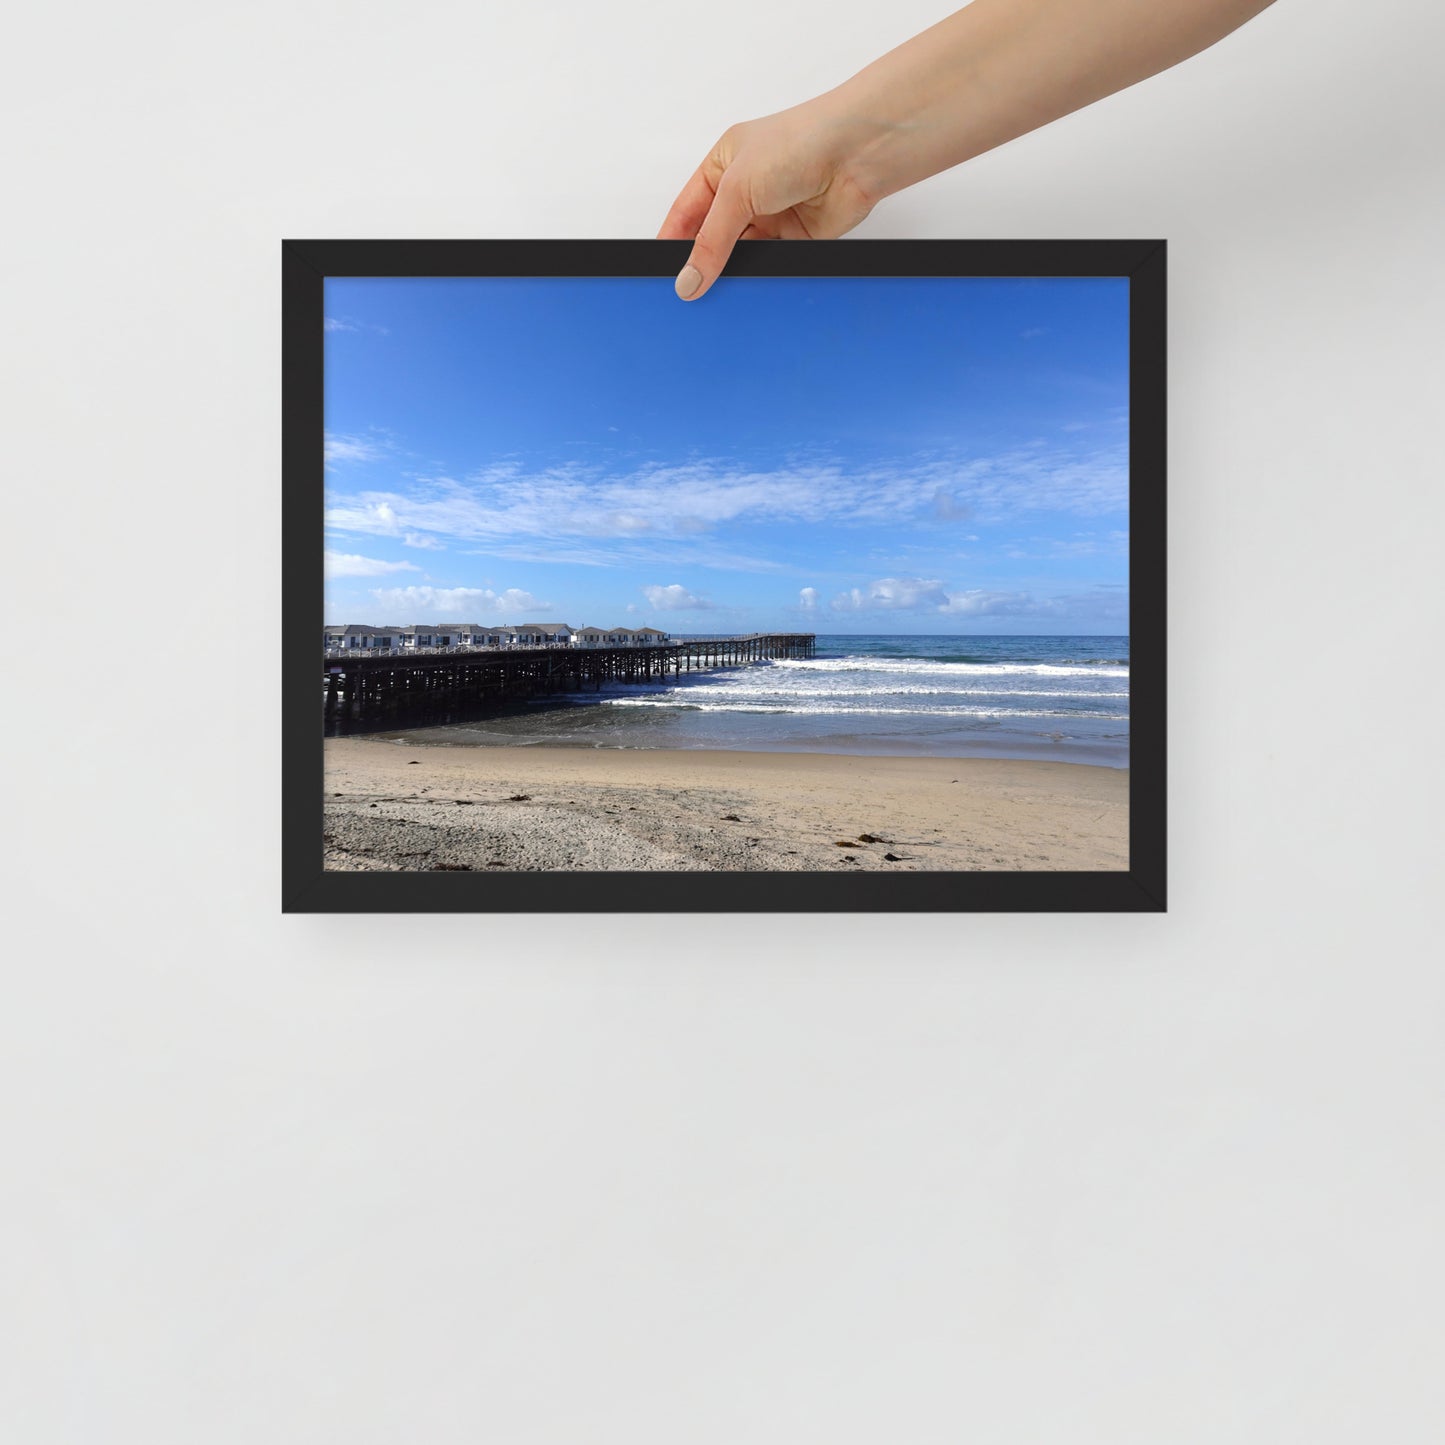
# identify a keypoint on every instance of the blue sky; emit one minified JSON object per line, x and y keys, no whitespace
{"x":836,"y":456}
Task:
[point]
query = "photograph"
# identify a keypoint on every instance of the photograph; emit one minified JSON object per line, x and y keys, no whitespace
{"x":830,"y":575}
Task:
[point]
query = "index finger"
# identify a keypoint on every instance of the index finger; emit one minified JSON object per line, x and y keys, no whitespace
{"x":727,"y":218}
{"x":689,"y":209}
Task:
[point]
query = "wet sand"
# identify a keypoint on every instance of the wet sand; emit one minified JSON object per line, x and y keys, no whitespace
{"x":393,"y":806}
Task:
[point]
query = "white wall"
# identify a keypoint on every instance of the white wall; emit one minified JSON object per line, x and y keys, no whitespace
{"x":1052,"y":1180}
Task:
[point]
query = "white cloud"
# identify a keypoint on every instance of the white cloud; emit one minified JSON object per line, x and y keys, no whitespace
{"x":906,"y":593}
{"x":981,"y":603}
{"x":455,"y":601}
{"x":420,"y":539}
{"x":350,"y":564}
{"x":674,"y":599}
{"x":808,"y":598}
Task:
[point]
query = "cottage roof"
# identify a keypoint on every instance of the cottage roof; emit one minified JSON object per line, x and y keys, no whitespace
{"x":480,"y":628}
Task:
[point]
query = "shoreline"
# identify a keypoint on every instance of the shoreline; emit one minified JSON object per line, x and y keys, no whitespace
{"x":1009,"y":751}
{"x":402,"y":806}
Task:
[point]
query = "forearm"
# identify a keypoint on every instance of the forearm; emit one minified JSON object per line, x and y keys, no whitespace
{"x":1001,"y":68}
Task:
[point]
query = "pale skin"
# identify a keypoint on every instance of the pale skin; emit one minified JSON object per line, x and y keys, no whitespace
{"x":995,"y":70}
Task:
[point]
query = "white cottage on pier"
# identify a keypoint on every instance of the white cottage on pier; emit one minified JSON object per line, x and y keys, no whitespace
{"x":363,"y":635}
{"x":542,"y":634}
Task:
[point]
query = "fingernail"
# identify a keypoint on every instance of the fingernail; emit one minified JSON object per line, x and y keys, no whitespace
{"x":688,"y":280}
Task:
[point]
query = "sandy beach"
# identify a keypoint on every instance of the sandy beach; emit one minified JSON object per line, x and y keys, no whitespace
{"x":392,"y":806}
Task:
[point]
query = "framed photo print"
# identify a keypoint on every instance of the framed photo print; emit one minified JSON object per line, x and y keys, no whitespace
{"x":841,"y":588}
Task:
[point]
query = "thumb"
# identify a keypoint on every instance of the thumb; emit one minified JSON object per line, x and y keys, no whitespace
{"x":727,"y":218}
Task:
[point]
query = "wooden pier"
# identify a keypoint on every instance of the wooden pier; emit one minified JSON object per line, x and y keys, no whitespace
{"x":422,"y":689}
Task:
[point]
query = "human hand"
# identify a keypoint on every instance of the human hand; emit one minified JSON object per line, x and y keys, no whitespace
{"x":784,"y":177}
{"x":993,"y":71}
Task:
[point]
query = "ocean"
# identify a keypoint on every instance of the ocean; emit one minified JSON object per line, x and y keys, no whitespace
{"x":1059,"y":698}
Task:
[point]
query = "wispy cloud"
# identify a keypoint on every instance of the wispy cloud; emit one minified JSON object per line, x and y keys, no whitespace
{"x":918,"y":594}
{"x":947,"y":507}
{"x":351,"y":564}
{"x":678,"y":505}
{"x":1081,"y":544}
{"x":370,"y":448}
{"x":455,"y":601}
{"x":345,"y":323}
{"x":423,"y":541}
{"x":701,"y":552}
{"x":808,"y":598}
{"x":1106,"y":602}
{"x":675,"y":598}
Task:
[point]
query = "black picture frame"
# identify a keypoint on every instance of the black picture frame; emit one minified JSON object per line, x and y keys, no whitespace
{"x":308,"y":888}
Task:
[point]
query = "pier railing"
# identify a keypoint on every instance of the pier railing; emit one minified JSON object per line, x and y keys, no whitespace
{"x":334,"y":652}
{"x":460,"y":647}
